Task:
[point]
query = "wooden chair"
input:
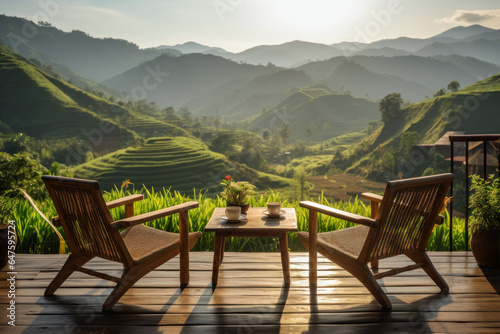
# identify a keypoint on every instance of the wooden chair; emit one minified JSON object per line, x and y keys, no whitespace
{"x":401,"y":225}
{"x":91,"y":232}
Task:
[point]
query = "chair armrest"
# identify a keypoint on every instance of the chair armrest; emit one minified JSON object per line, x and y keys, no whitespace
{"x":124,"y":201}
{"x":372,"y":197}
{"x":375,"y":201}
{"x":145,"y":217}
{"x":351,"y":217}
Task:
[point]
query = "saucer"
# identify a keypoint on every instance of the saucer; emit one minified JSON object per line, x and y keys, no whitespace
{"x":234,"y":221}
{"x":282,"y":212}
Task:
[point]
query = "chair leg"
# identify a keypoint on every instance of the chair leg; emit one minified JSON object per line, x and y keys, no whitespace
{"x":66,"y":271}
{"x":422,"y":257}
{"x":365,"y":276}
{"x":129,"y":277}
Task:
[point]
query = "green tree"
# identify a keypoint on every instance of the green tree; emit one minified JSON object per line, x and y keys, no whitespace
{"x":390,"y":107}
{"x":408,"y":139}
{"x":252,"y":156}
{"x":388,"y":161}
{"x":300,"y":177}
{"x":223,"y":143}
{"x":453,"y":86}
{"x":16,"y":143}
{"x":20,"y":171}
{"x":440,"y":92}
{"x":308,"y":131}
{"x":285,"y":133}
{"x":266,"y":135}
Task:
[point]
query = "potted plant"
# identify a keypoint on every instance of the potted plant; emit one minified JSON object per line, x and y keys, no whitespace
{"x":485,"y":221}
{"x":8,"y":237}
{"x":237,"y":193}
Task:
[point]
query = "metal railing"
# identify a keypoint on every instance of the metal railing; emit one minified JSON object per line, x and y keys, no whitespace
{"x":467,"y":139}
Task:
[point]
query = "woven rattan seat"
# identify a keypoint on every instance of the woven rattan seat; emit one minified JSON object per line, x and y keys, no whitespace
{"x":401,"y":223}
{"x":158,"y":242}
{"x":348,"y":242}
{"x":91,"y":232}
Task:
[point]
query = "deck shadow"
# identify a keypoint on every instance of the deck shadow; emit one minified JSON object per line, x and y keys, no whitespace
{"x":244,"y":319}
{"x":81,"y":311}
{"x":370,"y":317}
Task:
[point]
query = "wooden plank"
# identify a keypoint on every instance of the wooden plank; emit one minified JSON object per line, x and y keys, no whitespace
{"x":259,"y":316}
{"x":250,"y":297}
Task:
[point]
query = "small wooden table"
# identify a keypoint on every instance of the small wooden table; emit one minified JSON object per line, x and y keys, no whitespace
{"x":256,"y":224}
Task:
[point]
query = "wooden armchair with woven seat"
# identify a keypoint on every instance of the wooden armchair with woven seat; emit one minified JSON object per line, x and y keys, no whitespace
{"x":402,"y":224}
{"x":91,"y":232}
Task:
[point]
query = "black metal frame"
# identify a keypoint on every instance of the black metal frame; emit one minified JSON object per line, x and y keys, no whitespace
{"x":467,"y":139}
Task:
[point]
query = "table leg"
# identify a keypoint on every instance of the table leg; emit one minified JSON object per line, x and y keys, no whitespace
{"x":217,"y":259}
{"x":223,"y":247}
{"x":285,"y":259}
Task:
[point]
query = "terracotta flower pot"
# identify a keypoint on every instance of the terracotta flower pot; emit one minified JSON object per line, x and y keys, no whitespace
{"x":244,"y":207}
{"x":485,"y":247}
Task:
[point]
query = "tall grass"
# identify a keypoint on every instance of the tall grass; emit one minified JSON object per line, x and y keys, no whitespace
{"x":36,"y":236}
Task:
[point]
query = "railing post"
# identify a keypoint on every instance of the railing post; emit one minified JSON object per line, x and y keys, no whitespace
{"x":467,"y":139}
{"x":467,"y":195}
{"x":451,"y":193}
{"x":485,"y":161}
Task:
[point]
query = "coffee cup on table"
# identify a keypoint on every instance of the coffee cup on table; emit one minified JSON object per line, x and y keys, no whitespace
{"x":274,"y":208}
{"x":233,"y":212}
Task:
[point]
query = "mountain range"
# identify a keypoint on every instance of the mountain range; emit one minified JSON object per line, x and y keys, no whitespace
{"x":210,"y":80}
{"x":474,"y":40}
{"x":319,"y":91}
{"x":94,"y":58}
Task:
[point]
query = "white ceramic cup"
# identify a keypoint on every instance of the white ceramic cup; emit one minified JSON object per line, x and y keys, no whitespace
{"x":274,"y":208}
{"x":233,"y":212}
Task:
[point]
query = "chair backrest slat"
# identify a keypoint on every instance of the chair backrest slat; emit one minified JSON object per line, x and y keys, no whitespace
{"x":406,"y":216}
{"x":85,"y":218}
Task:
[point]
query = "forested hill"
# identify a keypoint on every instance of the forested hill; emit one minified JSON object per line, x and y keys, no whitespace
{"x":94,"y":58}
{"x":43,"y":106}
{"x":473,"y":109}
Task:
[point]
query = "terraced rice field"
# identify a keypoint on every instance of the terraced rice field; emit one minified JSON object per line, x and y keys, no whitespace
{"x":180,"y":163}
{"x":148,"y":127}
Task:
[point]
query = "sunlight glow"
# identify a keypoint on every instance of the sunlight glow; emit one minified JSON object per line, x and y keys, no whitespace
{"x":314,"y":15}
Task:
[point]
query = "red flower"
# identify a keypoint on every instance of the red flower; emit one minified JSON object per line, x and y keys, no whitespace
{"x":228,"y":177}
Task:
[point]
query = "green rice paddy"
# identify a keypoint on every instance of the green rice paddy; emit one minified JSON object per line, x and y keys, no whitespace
{"x":37,"y":237}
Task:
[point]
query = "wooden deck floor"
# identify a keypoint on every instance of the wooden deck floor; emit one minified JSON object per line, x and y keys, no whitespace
{"x":250,"y":298}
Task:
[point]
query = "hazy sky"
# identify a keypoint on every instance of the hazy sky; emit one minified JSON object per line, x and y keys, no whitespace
{"x":236,"y":25}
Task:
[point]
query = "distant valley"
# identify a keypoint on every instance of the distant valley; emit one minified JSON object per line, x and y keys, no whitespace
{"x":149,"y":114}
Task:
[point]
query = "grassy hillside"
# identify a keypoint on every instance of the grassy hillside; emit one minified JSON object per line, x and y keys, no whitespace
{"x":172,"y":81}
{"x":327,"y":114}
{"x":473,"y":109}
{"x":361,"y":81}
{"x":431,"y":73}
{"x":94,"y":58}
{"x":261,"y":92}
{"x":181,"y":163}
{"x":43,"y":106}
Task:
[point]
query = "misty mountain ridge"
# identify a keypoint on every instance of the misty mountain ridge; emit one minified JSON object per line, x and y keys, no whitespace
{"x":465,"y":32}
{"x":193,"y":47}
{"x":430,"y":73}
{"x":296,"y":53}
{"x":249,"y":98}
{"x":325,"y":113}
{"x":175,"y":80}
{"x":94,"y":58}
